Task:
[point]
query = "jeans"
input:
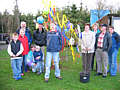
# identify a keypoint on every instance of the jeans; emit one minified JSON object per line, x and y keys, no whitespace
{"x":16,"y":67}
{"x":56,"y":59}
{"x":24,"y":64}
{"x":38,"y":67}
{"x":113,"y":62}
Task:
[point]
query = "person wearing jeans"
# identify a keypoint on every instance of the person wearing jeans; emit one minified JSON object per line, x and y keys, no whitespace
{"x":113,"y":51}
{"x":38,"y":55}
{"x":54,"y":45}
{"x":24,"y":41}
{"x":15,"y":49}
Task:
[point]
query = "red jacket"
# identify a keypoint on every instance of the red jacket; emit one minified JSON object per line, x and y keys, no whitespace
{"x":24,"y":41}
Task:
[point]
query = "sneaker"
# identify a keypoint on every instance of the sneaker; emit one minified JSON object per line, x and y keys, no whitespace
{"x":22,"y":74}
{"x":104,"y":76}
{"x":19,"y":77}
{"x":60,"y":78}
{"x":98,"y":74}
{"x":46,"y":80}
{"x":113,"y":75}
{"x":16,"y":79}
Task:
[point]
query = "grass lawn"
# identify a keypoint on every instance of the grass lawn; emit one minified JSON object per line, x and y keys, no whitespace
{"x":69,"y":71}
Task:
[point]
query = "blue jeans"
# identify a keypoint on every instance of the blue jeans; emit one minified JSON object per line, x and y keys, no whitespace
{"x":38,"y":67}
{"x":56,"y":59}
{"x":16,"y":67}
{"x":24,"y":63}
{"x":113,"y":62}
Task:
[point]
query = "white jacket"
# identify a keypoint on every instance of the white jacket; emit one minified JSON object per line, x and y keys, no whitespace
{"x":88,"y":41}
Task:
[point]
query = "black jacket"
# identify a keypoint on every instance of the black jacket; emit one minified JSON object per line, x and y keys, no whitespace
{"x":40,"y":37}
{"x":107,"y":41}
{"x":15,"y":47}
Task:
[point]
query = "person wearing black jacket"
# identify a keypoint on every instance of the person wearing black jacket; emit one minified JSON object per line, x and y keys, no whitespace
{"x":15,"y":49}
{"x":40,"y":36}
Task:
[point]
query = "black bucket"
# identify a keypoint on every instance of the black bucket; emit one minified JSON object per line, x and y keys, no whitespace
{"x":84,"y":78}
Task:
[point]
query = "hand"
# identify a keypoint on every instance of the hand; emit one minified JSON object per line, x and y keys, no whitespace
{"x":38,"y":57}
{"x":17,"y":55}
{"x":35,"y":64}
{"x":88,"y":49}
{"x":84,"y":49}
{"x":13,"y":56}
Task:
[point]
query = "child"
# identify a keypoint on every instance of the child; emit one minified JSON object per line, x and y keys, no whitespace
{"x":54,"y":45}
{"x":27,"y":32}
{"x":30,"y":58}
{"x":24,"y":41}
{"x":38,"y":59}
{"x":15,"y":49}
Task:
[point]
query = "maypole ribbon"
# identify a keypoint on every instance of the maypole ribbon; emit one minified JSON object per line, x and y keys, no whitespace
{"x":71,"y":47}
{"x":64,"y":20}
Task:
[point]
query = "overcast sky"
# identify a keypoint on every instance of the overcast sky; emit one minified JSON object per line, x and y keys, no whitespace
{"x":32,"y":6}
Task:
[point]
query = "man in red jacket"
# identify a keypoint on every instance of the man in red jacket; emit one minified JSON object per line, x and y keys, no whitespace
{"x":24,"y":41}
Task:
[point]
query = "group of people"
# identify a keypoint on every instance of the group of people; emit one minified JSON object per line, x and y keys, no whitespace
{"x":102,"y":42}
{"x":25,"y":56}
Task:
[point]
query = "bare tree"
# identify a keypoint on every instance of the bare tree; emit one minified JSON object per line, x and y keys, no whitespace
{"x":101,"y":4}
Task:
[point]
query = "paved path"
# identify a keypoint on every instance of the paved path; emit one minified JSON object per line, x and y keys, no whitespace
{"x":3,"y":46}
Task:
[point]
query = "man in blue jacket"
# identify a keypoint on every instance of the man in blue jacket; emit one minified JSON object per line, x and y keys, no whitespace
{"x":112,"y":54}
{"x":102,"y":45}
{"x":27,"y":32}
{"x":54,"y":45}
